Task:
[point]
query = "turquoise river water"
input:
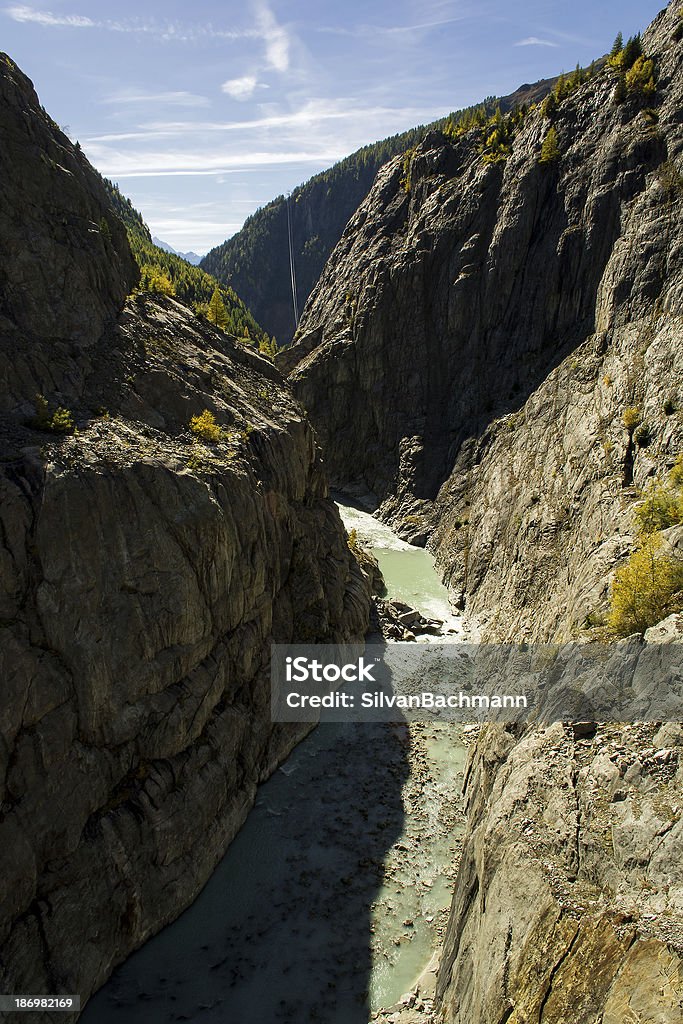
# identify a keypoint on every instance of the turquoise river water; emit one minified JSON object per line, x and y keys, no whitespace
{"x":333,"y":897}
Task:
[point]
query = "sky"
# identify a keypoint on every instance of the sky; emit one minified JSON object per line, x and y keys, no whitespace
{"x":204,"y":111}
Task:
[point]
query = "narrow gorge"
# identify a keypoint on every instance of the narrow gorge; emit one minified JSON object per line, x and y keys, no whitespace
{"x":491,"y":364}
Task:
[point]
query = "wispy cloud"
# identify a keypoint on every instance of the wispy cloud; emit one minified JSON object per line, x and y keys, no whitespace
{"x":275,"y":37}
{"x":320,"y":132}
{"x":313,"y":112}
{"x":166,"y":31}
{"x":535,"y":41}
{"x":140,"y":96}
{"x":178,"y":162}
{"x":367,"y":31}
{"x":22,"y":13}
{"x":240,"y":88}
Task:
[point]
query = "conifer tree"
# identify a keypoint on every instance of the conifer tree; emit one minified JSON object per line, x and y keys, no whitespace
{"x":617,"y":47}
{"x":550,"y":150}
{"x":631,"y":52}
{"x":549,"y":105}
{"x":217,"y":313}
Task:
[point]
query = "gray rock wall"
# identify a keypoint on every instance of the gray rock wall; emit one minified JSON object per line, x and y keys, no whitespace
{"x":473,"y":344}
{"x":144,"y":574}
{"x":568,"y":902}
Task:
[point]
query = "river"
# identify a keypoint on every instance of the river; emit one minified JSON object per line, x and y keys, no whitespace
{"x":333,"y":897}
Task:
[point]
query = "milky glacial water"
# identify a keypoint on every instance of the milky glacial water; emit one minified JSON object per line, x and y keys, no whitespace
{"x":408,"y":571}
{"x":332,"y":898}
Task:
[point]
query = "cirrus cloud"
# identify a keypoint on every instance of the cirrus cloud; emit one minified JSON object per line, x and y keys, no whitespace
{"x":535,"y":41}
{"x":240,"y":88}
{"x":22,"y":13}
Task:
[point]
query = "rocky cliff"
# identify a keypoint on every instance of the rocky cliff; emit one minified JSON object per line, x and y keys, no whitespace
{"x":478,"y":334}
{"x":493,"y":354}
{"x":144,"y":571}
{"x":569,"y":900}
{"x":255,"y":261}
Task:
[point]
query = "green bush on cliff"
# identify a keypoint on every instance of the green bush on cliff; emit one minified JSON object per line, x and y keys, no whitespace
{"x":631,"y":417}
{"x":268,"y":347}
{"x":550,"y":150}
{"x":405,"y":166}
{"x":205,"y":426}
{"x":549,"y":105}
{"x":60,"y":422}
{"x":662,"y":504}
{"x":641,"y":77}
{"x":650,"y":586}
{"x":647,"y":589}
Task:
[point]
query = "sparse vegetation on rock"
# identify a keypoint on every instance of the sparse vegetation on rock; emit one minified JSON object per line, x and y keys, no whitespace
{"x":646,"y":590}
{"x":205,"y":426}
{"x":550,"y":150}
{"x":60,"y":421}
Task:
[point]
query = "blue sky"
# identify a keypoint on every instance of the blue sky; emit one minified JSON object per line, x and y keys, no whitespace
{"x":203,"y":111}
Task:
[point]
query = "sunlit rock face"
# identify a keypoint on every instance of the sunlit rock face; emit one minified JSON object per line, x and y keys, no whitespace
{"x":480,"y":330}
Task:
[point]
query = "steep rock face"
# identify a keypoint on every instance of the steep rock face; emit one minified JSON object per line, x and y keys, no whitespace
{"x":569,"y":898}
{"x":473,"y":343}
{"x":144,"y":573}
{"x":66,"y":267}
{"x":255,"y":261}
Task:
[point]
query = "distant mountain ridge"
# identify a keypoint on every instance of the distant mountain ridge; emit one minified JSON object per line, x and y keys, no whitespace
{"x":255,"y":261}
{"x":189,"y":283}
{"x":191,"y":257}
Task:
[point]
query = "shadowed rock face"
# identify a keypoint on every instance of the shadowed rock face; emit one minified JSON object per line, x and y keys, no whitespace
{"x":66,"y":267}
{"x":472,"y":344}
{"x":144,"y":574}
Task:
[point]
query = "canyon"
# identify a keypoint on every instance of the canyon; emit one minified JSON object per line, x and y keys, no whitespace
{"x":491,"y":361}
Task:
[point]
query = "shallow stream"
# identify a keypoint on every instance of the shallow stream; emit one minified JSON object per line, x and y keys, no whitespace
{"x":334,"y":895}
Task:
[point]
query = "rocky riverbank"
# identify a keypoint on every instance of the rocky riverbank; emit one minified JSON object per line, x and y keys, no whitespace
{"x":332,"y":898}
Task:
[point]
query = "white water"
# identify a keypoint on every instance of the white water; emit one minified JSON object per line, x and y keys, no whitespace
{"x":408,"y":571}
{"x":304,"y":918}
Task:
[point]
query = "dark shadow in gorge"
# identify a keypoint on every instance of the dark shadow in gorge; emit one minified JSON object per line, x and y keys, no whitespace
{"x":281,"y":932}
